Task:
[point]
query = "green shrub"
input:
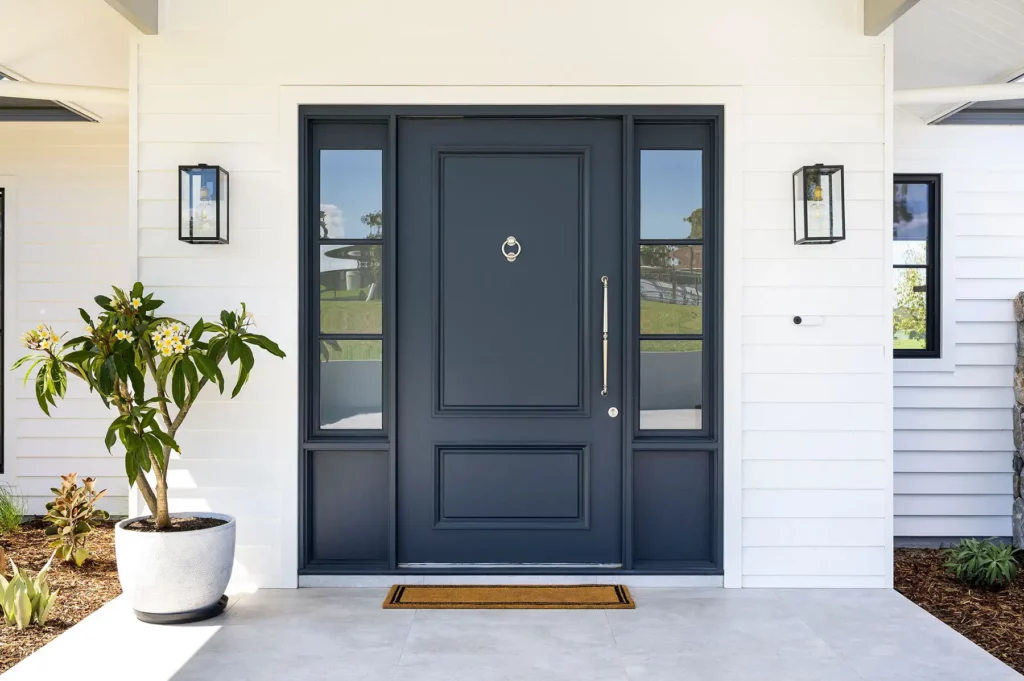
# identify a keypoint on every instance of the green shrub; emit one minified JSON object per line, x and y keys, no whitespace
{"x":12,"y":509}
{"x":26,"y":599}
{"x":982,"y":563}
{"x":71,"y":517}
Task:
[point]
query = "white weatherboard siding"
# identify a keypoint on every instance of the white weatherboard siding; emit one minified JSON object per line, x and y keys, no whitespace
{"x":953,"y":435}
{"x":67,"y":239}
{"x":813,"y":469}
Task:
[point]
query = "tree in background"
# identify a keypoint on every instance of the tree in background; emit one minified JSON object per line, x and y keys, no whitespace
{"x":696,"y":221}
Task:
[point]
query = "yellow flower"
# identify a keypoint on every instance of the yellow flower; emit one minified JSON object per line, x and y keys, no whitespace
{"x":188,"y":342}
{"x":121,"y":334}
{"x":89,"y":329}
{"x":165,"y":351}
{"x":41,"y":328}
{"x":136,"y":303}
{"x":175,"y":328}
{"x":45,"y":344}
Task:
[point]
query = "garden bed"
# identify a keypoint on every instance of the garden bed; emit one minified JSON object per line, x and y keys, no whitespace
{"x":992,"y":619}
{"x":82,"y":590}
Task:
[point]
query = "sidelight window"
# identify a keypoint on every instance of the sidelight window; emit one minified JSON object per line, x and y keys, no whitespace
{"x":671,"y":281}
{"x":349,"y":248}
{"x":915,"y":242}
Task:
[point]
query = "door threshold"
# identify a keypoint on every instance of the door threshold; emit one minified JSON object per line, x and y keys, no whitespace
{"x":510,"y":566}
{"x":631,"y":581}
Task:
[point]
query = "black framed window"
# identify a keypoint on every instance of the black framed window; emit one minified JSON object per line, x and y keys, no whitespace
{"x":347,"y":278}
{"x":675,"y":347}
{"x":916,"y":250}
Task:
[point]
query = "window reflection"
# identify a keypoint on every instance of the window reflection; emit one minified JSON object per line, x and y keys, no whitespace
{"x":351,"y":191}
{"x":671,"y":194}
{"x":671,"y":289}
{"x":351,"y":384}
{"x":671,"y":378}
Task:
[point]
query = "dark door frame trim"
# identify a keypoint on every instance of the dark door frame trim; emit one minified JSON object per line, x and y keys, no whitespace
{"x":710,"y":441}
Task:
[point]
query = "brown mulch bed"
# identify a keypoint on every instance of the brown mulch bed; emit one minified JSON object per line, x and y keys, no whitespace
{"x":82,"y":590}
{"x":992,"y":619}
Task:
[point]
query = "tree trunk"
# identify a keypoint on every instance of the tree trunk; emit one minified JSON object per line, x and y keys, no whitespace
{"x":163,"y":517}
{"x":1018,"y":426}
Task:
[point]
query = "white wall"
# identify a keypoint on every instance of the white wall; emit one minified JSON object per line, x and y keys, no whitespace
{"x":953,"y":425}
{"x":811,"y":460}
{"x":66,"y":238}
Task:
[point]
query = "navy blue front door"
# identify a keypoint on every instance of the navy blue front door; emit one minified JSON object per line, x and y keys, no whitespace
{"x":507,"y":452}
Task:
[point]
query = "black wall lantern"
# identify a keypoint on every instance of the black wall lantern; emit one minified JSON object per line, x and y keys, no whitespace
{"x":203,"y":204}
{"x":819,"y":209}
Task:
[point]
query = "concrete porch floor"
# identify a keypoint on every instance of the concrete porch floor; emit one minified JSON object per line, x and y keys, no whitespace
{"x":673,"y":635}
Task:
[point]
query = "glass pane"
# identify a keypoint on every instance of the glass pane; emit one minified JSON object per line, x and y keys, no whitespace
{"x":198,"y":203}
{"x":350,"y":293}
{"x":671,"y":194}
{"x":351,"y":384}
{"x":670,"y":385}
{"x":910,"y":217}
{"x":671,"y":289}
{"x":909,"y":309}
{"x":351,"y":191}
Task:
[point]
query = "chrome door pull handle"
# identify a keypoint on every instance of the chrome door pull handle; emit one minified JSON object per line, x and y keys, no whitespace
{"x":604,"y":338}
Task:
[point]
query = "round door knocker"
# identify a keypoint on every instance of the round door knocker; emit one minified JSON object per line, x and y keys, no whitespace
{"x":507,"y":247}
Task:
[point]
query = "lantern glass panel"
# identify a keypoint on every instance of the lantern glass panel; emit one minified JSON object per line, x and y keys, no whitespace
{"x":199,"y":204}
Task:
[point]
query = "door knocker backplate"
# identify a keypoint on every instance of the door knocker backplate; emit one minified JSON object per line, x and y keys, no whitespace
{"x":511,"y":249}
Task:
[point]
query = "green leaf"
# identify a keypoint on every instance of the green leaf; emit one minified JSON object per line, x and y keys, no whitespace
{"x":131,"y":440}
{"x":85,"y":317}
{"x":137,"y":290}
{"x":263,"y":342}
{"x":138,"y":383}
{"x":246,"y":356}
{"x":205,"y":365}
{"x":107,"y":373}
{"x":60,"y":378}
{"x":79,"y":356}
{"x":41,"y":390}
{"x":234,"y":348}
{"x":178,"y":386}
{"x":224,"y":319}
{"x":110,"y":439}
{"x":197,"y":330}
{"x":243,"y":377}
{"x":216,"y":348}
{"x":167,"y":440}
{"x":189,"y":369}
{"x":121,"y":366}
{"x":131,"y":467}
{"x":156,"y":448}
{"x":104,"y":302}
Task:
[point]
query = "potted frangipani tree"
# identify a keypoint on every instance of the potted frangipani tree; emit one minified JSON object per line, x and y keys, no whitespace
{"x":151,"y":369}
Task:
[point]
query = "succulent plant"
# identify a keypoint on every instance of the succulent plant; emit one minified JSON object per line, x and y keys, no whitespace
{"x":71,"y":517}
{"x":26,"y":599}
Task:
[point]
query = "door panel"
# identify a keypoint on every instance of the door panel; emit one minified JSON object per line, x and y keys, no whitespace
{"x":506,"y":451}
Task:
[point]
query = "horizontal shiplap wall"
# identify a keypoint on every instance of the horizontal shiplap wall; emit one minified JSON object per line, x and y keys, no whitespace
{"x":815,"y":452}
{"x":954,"y":441}
{"x":68,"y":230}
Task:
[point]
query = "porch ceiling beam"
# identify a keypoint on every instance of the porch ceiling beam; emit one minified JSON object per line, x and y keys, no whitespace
{"x":963,"y":93}
{"x":881,"y":14}
{"x":77,"y":93}
{"x":141,"y":13}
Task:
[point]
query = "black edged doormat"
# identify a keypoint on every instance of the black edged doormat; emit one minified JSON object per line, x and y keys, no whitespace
{"x":510,"y":597}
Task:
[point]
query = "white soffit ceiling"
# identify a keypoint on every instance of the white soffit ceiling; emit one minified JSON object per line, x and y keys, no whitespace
{"x":70,"y":42}
{"x":941,"y":43}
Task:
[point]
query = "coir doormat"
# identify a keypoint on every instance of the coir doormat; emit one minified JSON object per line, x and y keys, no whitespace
{"x":510,"y":597}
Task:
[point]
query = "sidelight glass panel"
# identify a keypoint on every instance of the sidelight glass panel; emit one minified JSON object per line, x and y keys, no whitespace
{"x":351,"y":384}
{"x":910,"y":308}
{"x":350,"y":288}
{"x":671,"y":289}
{"x":671,"y":194}
{"x":671,"y":384}
{"x":351,"y":193}
{"x":910,"y":223}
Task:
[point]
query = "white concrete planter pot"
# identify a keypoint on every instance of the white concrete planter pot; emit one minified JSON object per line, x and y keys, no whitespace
{"x":176,"y":577}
